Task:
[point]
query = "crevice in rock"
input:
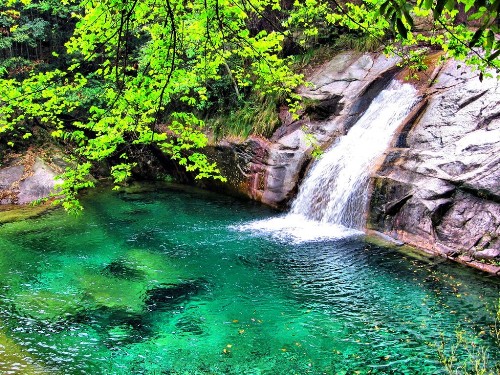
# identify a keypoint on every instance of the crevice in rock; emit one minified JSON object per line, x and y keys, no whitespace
{"x":367,"y":96}
{"x":411,"y":120}
{"x":478,"y":193}
{"x":440,"y":211}
{"x":325,"y":108}
{"x":472,"y":99}
{"x":486,"y":121}
{"x":392,"y":208}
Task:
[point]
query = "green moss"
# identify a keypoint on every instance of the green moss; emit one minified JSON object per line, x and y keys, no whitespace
{"x":17,"y":213}
{"x":14,"y":360}
{"x":379,"y":239}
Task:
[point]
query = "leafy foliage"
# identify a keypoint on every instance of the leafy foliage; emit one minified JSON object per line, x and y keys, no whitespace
{"x":154,"y":62}
{"x":256,"y":115}
{"x":31,"y":32}
{"x":139,"y":73}
{"x":465,"y":29}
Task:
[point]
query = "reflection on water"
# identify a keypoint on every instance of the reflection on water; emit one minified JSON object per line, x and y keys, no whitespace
{"x":163,"y":282}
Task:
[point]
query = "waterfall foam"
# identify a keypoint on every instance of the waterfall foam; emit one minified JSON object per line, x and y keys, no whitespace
{"x":333,"y":196}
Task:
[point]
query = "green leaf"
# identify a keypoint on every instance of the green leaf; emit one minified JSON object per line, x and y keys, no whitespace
{"x":385,"y":7}
{"x":450,"y":5}
{"x":401,"y":28}
{"x":490,"y":40}
{"x":494,"y":55}
{"x":427,"y":4}
{"x":408,"y":18}
{"x":475,"y":38}
{"x":438,"y":10}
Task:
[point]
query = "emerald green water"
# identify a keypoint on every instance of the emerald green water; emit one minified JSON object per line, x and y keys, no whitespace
{"x":160,"y":281}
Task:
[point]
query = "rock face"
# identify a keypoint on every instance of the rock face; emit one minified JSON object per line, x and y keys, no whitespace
{"x":439,"y":187}
{"x":269,"y":170}
{"x":27,"y":179}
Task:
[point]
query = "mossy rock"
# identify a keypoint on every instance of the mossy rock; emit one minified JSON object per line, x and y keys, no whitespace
{"x":157,"y":268}
{"x":10,"y":214}
{"x":124,"y":282}
{"x":45,"y":305}
{"x":14,"y":360}
{"x":114,"y":293}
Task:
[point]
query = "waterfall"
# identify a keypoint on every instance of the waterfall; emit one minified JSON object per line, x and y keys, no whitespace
{"x":336,"y":188}
{"x":332,"y":199}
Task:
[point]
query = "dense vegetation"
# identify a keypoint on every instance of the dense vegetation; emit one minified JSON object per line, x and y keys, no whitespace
{"x":114,"y":78}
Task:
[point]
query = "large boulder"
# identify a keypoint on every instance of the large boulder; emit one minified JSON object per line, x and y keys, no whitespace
{"x":29,"y":178}
{"x":439,"y":188}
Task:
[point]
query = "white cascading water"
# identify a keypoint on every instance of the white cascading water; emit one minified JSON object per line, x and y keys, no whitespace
{"x":332,"y":199}
{"x":335,"y":189}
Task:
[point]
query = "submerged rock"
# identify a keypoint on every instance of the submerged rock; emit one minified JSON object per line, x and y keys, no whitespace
{"x":167,"y":295}
{"x":126,"y":283}
{"x":47,"y":306}
{"x":113,"y":293}
{"x":122,"y":270}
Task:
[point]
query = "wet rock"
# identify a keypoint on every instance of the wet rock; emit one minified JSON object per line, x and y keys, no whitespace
{"x":346,"y":74}
{"x":451,"y":166}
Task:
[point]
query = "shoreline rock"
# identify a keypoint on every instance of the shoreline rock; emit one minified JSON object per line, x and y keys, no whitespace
{"x":438,"y":186}
{"x":29,"y":178}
